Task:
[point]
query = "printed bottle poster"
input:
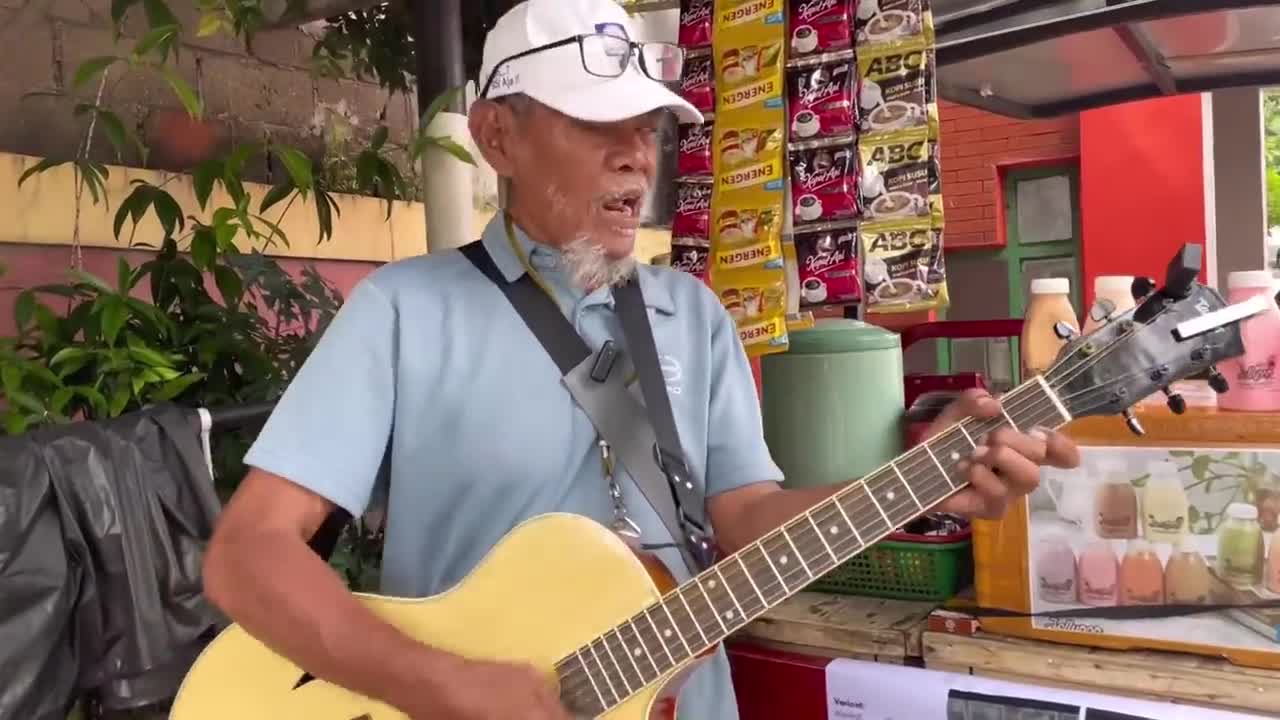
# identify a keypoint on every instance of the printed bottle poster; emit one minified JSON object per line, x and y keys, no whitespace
{"x":861,"y":690}
{"x":1156,"y":526}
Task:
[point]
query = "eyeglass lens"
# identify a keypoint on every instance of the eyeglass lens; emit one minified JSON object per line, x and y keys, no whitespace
{"x":608,"y":55}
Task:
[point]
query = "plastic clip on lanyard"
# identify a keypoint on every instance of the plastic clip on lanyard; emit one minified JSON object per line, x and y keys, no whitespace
{"x":645,"y":441}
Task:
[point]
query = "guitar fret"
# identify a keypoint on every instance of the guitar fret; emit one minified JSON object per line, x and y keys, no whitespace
{"x":1004,"y":412}
{"x":622,"y":674}
{"x":644,"y":646}
{"x":796,"y":550}
{"x":728,"y":614}
{"x":612,"y":690}
{"x":967,"y":436}
{"x":902,"y":479}
{"x":781,"y":581}
{"x":661,"y":640}
{"x":631,"y":653}
{"x":693,"y":618}
{"x":945,"y":475}
{"x":857,"y":535}
{"x":698,"y":583}
{"x":590,"y":678}
{"x":876,"y":502}
{"x":818,"y":530}
{"x":868,"y":525}
{"x":747,"y":572}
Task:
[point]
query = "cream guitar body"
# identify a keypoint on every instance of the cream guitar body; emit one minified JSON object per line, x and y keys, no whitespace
{"x":551,"y":585}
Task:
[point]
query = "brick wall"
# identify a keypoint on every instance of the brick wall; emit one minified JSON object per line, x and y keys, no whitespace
{"x":973,"y":144}
{"x":264,"y":95}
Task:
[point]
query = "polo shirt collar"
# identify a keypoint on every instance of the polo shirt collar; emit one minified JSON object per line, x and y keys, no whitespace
{"x":541,"y":257}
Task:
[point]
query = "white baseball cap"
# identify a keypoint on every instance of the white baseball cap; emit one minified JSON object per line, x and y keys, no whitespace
{"x":557,"y":76}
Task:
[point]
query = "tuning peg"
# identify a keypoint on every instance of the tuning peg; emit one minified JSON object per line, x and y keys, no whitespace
{"x":1101,"y":310}
{"x":1132,"y":421}
{"x":1217,"y":381}
{"x":1141,"y":288}
{"x":1182,"y":272}
{"x":1064,"y":331}
{"x":1175,"y":401}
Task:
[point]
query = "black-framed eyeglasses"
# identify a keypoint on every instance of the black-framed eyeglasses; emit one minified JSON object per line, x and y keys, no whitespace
{"x":608,"y":56}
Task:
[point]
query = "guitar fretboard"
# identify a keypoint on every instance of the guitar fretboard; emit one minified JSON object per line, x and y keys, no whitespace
{"x":710,"y":606}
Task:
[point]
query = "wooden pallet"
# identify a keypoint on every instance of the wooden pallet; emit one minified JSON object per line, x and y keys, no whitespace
{"x":1176,"y":677}
{"x":831,"y":625}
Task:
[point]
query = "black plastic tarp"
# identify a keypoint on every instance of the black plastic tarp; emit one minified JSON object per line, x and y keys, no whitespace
{"x":102,"y":529}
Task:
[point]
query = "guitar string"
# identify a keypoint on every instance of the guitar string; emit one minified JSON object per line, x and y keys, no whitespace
{"x":748,"y":591}
{"x":912,"y":463}
{"x":830,"y":513}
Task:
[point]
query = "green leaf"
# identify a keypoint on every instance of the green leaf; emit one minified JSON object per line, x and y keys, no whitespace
{"x":15,"y":424}
{"x":11,"y":379}
{"x":24,"y":307}
{"x":124,"y":275}
{"x":379,"y":138}
{"x":148,"y":356}
{"x":276,"y":194}
{"x":119,"y":399}
{"x":1200,"y":466}
{"x":175,"y":387}
{"x":67,"y":354}
{"x":158,"y":13}
{"x":45,"y":164}
{"x":436,"y":106}
{"x":92,"y":280}
{"x":229,"y":284}
{"x":454,"y":149}
{"x":61,"y":396}
{"x":298,"y":166}
{"x":203,"y":178}
{"x":119,"y":8}
{"x":114,"y":315}
{"x":28,"y":401}
{"x":158,"y":38}
{"x":168,"y":212}
{"x":185,"y":94}
{"x":92,"y":68}
{"x":204,"y":247}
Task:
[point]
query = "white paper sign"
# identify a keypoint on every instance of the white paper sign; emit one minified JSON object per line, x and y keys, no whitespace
{"x":859,"y":690}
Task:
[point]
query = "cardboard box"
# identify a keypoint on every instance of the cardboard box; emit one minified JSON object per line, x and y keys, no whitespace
{"x":1164,"y":532}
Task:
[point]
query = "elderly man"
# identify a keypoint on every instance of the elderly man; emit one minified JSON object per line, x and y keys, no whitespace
{"x":429,"y":368}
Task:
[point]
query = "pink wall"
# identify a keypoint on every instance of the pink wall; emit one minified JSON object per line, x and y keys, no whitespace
{"x":1141,"y":186}
{"x":30,"y":265}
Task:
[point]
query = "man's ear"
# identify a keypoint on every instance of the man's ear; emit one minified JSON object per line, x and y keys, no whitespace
{"x":492,"y":128}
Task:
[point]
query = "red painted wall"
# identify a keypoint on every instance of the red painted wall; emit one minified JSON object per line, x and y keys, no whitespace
{"x":1141,"y":186}
{"x":974,"y":144}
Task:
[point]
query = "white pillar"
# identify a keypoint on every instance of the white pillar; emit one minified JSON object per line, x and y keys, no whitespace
{"x":447,"y":186}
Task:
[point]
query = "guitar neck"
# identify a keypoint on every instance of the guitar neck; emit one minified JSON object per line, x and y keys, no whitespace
{"x":722,"y":599}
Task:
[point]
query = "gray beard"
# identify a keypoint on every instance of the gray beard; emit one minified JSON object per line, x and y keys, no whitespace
{"x":589,"y":268}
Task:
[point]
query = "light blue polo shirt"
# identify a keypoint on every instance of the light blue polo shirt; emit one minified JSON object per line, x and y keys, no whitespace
{"x":485,"y":435}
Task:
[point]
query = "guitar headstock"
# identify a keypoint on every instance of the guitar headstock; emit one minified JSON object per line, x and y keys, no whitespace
{"x":1175,"y":332}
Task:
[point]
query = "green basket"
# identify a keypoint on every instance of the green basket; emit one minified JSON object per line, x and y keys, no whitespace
{"x":904,"y":570}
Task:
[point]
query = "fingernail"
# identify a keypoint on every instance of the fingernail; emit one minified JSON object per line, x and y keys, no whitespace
{"x":980,"y":452}
{"x":1039,"y":433}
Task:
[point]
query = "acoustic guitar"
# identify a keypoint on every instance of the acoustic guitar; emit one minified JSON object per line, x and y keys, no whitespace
{"x":613,"y":630}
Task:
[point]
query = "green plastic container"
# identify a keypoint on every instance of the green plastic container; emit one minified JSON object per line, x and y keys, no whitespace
{"x":833,"y":403}
{"x":904,"y":570}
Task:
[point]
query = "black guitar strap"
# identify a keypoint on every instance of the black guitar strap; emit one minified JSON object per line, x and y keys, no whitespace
{"x":644,"y":439}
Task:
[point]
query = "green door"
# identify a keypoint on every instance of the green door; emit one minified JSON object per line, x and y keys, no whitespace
{"x":1042,"y":239}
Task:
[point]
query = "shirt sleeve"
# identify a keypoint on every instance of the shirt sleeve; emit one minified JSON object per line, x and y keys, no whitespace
{"x":736,"y":451}
{"x":330,"y":429}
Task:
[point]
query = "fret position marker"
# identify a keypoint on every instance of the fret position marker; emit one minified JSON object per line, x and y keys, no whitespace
{"x":856,"y":535}
{"x":711,"y":604}
{"x":774,"y":568}
{"x":666,"y":632}
{"x":824,"y":540}
{"x":790,"y":542}
{"x":732,"y":596}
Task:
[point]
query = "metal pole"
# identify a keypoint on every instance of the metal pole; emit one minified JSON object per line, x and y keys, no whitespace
{"x":447,"y":182}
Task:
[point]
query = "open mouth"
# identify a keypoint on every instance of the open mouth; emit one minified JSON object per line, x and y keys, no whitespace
{"x":623,"y":206}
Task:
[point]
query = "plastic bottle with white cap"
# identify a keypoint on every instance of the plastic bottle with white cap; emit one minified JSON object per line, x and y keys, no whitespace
{"x":1253,"y":379}
{"x":1117,"y":290}
{"x":1050,"y":304}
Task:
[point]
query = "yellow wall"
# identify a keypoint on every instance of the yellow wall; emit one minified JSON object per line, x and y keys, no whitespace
{"x":42,"y":212}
